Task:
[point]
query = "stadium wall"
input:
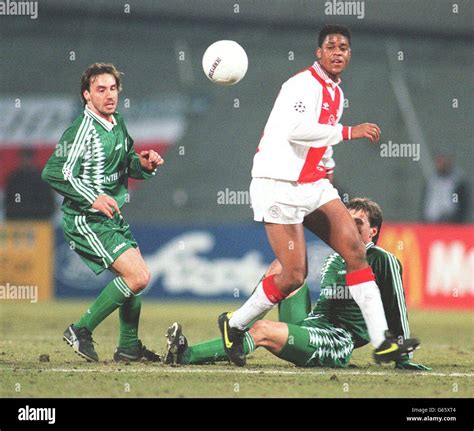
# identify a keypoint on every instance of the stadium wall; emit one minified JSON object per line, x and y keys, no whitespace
{"x":225,"y":262}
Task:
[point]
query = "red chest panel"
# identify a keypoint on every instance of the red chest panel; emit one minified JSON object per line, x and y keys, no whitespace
{"x":311,"y":172}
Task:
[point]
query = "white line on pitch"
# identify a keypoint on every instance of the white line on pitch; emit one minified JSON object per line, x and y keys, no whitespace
{"x":239,"y":371}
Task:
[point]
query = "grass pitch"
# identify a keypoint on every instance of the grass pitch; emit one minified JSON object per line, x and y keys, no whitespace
{"x":29,"y":332}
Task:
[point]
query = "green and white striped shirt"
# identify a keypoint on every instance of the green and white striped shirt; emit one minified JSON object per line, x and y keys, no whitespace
{"x":336,"y":303}
{"x":93,"y":157}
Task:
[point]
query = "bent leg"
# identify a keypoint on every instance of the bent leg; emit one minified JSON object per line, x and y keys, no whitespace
{"x":310,"y":343}
{"x":133,"y":269}
{"x":333,"y":223}
{"x":269,"y":334}
{"x":212,"y":351}
{"x":288,"y":244}
{"x":129,"y":318}
{"x":133,"y":277}
{"x":296,"y":306}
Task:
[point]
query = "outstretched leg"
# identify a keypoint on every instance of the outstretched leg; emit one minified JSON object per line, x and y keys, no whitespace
{"x":288,"y":244}
{"x":333,"y":223}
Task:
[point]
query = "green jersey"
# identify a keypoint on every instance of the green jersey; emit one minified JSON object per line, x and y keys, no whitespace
{"x":93,"y":157}
{"x":336,"y":304}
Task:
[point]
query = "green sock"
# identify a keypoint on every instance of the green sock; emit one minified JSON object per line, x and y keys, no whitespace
{"x":112,"y":297}
{"x":129,"y":316}
{"x":212,"y":351}
{"x":295,"y":308}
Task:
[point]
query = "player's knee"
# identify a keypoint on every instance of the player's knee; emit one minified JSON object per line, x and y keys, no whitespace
{"x":145,"y":277}
{"x":274,"y":268}
{"x":141,"y":279}
{"x":292,"y":278}
{"x":297,"y":277}
{"x":260,"y":330}
{"x":356,"y":253}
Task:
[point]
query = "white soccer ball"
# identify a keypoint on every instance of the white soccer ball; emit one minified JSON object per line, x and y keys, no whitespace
{"x":225,"y":62}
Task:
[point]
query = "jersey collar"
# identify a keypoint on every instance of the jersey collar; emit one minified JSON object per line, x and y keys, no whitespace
{"x":324,"y":76}
{"x":369,"y":245}
{"x":107,"y":125}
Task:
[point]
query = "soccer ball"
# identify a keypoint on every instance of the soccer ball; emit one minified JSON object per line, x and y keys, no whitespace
{"x":225,"y":62}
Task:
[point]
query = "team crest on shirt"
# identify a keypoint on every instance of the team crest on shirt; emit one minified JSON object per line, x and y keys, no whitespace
{"x":332,"y":120}
{"x":275,"y":211}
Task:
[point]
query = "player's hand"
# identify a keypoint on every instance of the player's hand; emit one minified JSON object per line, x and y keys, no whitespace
{"x":407,"y":365}
{"x":150,"y":160}
{"x":366,"y":130}
{"x":106,"y":205}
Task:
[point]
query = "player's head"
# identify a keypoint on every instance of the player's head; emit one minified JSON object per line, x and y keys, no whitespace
{"x":100,"y":85}
{"x":368,"y":217}
{"x":334,"y":49}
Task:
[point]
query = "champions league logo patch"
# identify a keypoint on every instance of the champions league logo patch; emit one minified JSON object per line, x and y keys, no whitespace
{"x":299,"y":107}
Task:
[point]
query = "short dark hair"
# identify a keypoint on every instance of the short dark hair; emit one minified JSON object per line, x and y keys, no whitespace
{"x":373,"y":211}
{"x":96,"y":69}
{"x":333,"y":29}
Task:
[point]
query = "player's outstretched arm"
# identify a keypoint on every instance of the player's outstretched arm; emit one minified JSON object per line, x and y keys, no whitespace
{"x":143,"y":166}
{"x":150,"y":160}
{"x":366,"y":130}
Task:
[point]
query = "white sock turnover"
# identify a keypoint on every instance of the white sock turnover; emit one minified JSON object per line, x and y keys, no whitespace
{"x":367,"y":296}
{"x":257,"y":304}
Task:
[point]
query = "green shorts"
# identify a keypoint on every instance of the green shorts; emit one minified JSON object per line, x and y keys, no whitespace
{"x":316,"y":342}
{"x":97,"y":239}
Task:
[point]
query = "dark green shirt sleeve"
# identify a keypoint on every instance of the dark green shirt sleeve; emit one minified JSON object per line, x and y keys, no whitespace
{"x":63,"y":167}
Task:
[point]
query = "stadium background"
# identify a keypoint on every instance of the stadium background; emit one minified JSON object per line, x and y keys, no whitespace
{"x":408,"y":68}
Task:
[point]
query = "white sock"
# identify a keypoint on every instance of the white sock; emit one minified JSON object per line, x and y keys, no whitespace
{"x":257,"y":304}
{"x":367,"y":296}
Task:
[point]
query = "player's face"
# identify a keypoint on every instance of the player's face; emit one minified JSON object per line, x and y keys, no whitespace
{"x":363,"y":225}
{"x":103,"y":95}
{"x":334,"y":54}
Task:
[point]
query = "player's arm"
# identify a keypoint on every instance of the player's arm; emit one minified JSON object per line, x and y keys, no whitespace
{"x":142,"y":166}
{"x":63,"y":167}
{"x":388,"y":274}
{"x":299,"y":107}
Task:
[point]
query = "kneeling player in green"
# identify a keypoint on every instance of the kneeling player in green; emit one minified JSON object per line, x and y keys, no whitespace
{"x":90,"y":167}
{"x":326,"y":336}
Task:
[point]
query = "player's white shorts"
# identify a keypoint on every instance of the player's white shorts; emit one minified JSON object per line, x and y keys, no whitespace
{"x":288,"y":202}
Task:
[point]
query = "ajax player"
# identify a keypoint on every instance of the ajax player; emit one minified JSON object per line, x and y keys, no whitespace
{"x":90,"y":168}
{"x":289,"y":190}
{"x":327,"y":336}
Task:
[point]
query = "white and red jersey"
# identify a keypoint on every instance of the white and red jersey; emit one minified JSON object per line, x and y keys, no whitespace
{"x":302,"y":128}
